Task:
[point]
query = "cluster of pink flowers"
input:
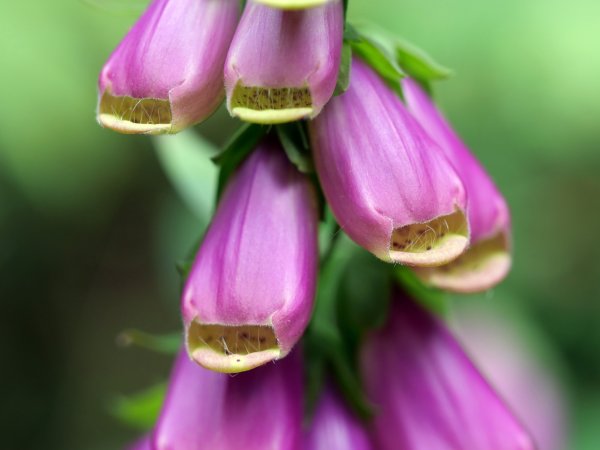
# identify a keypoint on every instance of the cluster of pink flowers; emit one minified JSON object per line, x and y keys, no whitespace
{"x":399,"y":182}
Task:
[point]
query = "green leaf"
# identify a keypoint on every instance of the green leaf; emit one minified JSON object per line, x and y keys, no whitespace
{"x":378,"y":57}
{"x":236,"y":150}
{"x":419,"y":65}
{"x":168,"y":343}
{"x":323,"y":341}
{"x":431,"y":298}
{"x":140,"y":410}
{"x":343,"y":80}
{"x":410,"y":59}
{"x":185,"y":158}
{"x":363,"y":295}
{"x":295,"y":144}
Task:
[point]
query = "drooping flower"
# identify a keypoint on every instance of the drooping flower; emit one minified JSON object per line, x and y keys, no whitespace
{"x":206,"y":410}
{"x":488,"y":260}
{"x":167,"y":73}
{"x":428,"y":393}
{"x":333,"y":427}
{"x":514,"y":366}
{"x":283,"y":65}
{"x":294,"y":4}
{"x":388,"y":184}
{"x":250,"y":293}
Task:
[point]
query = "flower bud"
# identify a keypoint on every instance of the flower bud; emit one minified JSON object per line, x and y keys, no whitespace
{"x":388,"y":184}
{"x":166,"y":74}
{"x":250,"y":293}
{"x":488,"y":260}
{"x":428,"y":392}
{"x":283,"y":65}
{"x":209,"y":410}
{"x":333,"y":426}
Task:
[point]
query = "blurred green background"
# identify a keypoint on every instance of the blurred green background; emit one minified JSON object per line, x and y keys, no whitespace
{"x":90,"y":227}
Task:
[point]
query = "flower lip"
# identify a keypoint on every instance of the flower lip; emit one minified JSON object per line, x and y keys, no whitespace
{"x":293,"y":4}
{"x":268,"y":105}
{"x":232,"y":349}
{"x":432,"y":243}
{"x":483,"y":266}
{"x":131,"y":115}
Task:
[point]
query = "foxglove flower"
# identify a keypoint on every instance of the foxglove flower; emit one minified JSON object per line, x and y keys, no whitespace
{"x":333,"y":427}
{"x":294,"y":4}
{"x":283,"y":65}
{"x":515,"y":368}
{"x":258,"y":410}
{"x":488,"y":260}
{"x":249,"y":295}
{"x":428,"y":393}
{"x":388,"y":184}
{"x":167,"y":72}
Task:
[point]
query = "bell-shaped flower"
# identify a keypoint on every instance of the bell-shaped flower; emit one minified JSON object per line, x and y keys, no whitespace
{"x":294,"y":4}
{"x":388,"y":184}
{"x":167,"y":73}
{"x":333,"y":427}
{"x":283,"y":65}
{"x":250,"y":292}
{"x":206,"y":410}
{"x":427,"y":392}
{"x":488,"y":260}
{"x":518,"y":368}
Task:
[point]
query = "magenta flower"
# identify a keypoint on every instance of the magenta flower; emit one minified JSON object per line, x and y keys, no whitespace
{"x":283,"y":65}
{"x":488,"y":260}
{"x":333,"y":427}
{"x":428,"y":393}
{"x":166,"y":74}
{"x":514,"y":365}
{"x":250,"y":293}
{"x":258,"y":410}
{"x":389,"y":186}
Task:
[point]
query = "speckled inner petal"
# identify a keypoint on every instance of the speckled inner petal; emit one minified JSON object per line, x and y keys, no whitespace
{"x":271,"y":105}
{"x":232,"y":348}
{"x":481,"y":267}
{"x":134,"y":115}
{"x":433,"y":243}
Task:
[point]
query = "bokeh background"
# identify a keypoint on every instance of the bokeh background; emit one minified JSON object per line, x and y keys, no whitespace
{"x":91,"y":227}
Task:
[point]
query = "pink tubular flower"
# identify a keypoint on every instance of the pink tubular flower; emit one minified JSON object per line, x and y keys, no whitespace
{"x":206,"y":410}
{"x":166,"y":74}
{"x":516,"y":370}
{"x":283,"y":65}
{"x":250,"y":293}
{"x":428,"y":393}
{"x":488,"y":261}
{"x":389,"y":186}
{"x":333,"y":427}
